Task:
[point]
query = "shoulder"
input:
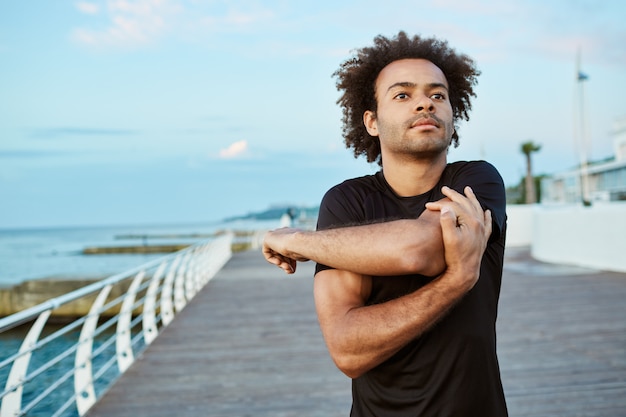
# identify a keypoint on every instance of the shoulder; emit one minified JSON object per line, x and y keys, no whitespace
{"x":354,"y":189}
{"x":364,"y":184}
{"x":344,"y":203}
{"x":476,"y":170}
{"x":483,"y":177}
{"x":487,"y":184}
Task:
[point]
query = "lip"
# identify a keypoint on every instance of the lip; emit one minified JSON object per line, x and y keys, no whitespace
{"x":424,"y":121}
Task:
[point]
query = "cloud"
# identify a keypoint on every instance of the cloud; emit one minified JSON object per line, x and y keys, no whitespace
{"x":235,"y":150}
{"x":87,"y":8}
{"x":235,"y":20}
{"x":129,"y":23}
{"x":142,"y":22}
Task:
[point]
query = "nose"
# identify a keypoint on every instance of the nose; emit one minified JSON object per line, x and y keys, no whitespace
{"x":424,"y":103}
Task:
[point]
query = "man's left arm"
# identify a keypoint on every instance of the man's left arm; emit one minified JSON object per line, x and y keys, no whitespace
{"x":399,"y":247}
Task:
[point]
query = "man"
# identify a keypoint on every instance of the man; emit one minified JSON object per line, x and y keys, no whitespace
{"x":407,"y":295}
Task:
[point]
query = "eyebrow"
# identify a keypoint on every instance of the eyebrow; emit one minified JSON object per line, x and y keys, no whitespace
{"x":407,"y":84}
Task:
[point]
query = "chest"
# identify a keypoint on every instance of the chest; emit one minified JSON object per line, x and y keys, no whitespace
{"x":386,"y":207}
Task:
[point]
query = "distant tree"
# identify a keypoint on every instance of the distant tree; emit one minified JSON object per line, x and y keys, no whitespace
{"x":527,"y":149}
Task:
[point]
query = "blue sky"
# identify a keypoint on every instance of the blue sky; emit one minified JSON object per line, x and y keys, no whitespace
{"x":171,"y":111}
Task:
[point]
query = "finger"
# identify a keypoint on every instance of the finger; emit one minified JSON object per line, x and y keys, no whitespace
{"x":488,"y":223}
{"x":451,"y":193}
{"x":288,"y":265}
{"x":469,"y":192}
{"x":437,"y":205}
{"x":464,"y":200}
{"x":274,"y":260}
{"x":269,"y":257}
{"x":448,"y":220}
{"x":468,"y":202}
{"x":461,"y":201}
{"x":471,"y":196}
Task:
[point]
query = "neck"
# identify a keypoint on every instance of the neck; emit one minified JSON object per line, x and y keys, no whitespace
{"x":415,"y":177}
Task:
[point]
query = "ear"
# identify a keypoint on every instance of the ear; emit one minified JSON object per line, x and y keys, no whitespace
{"x":369,"y":120}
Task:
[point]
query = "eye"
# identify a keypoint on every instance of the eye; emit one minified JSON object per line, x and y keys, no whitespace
{"x":438,"y":96}
{"x":401,"y":96}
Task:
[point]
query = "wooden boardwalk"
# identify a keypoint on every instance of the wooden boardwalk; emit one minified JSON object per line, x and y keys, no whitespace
{"x":249,"y":345}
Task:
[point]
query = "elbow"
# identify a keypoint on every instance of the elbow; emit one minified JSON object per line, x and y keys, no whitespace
{"x":413,"y":264}
{"x":423,"y":252}
{"x":430,"y":263}
{"x":353,"y":364}
{"x":349,"y":366}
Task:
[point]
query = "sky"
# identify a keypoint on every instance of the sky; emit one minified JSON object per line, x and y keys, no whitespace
{"x":120,"y":112}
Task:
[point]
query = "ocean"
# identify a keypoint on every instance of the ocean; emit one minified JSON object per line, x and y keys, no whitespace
{"x":27,"y":254}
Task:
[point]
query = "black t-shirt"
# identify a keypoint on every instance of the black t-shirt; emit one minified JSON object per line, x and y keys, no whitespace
{"x":452,"y":370}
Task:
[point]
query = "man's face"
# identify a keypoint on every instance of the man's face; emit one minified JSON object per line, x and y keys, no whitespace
{"x":414,"y":115}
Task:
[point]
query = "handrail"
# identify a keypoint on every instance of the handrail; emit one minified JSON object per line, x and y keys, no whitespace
{"x":154,"y":293}
{"x":24,"y":316}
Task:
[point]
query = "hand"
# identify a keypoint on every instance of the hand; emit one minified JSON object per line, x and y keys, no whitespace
{"x":276,"y":252}
{"x":466,"y":229}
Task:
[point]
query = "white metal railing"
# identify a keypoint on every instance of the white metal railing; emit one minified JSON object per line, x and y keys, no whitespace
{"x":38,"y":377}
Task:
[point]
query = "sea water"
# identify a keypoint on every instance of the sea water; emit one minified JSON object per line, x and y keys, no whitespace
{"x":27,"y":254}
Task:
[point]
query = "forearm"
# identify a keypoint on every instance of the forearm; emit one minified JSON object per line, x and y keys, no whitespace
{"x":391,"y":248}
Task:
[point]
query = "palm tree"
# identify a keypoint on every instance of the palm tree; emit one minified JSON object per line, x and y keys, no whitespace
{"x":527,"y":148}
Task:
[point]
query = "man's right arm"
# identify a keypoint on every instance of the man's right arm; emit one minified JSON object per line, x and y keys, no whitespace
{"x":359,"y":336}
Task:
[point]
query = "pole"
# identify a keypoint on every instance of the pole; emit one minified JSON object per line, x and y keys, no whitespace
{"x":584,"y":177}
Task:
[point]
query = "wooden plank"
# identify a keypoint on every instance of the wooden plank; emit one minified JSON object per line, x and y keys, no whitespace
{"x":249,"y":345}
{"x":562,"y":339}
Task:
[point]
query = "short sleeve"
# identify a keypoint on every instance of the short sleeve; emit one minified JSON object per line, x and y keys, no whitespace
{"x":341,"y":206}
{"x":488,"y":186}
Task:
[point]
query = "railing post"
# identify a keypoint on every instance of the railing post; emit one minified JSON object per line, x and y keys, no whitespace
{"x":202,"y":265}
{"x":12,"y":403}
{"x":197,"y":269}
{"x":123,"y":344}
{"x":190,"y":287}
{"x":149,"y":324}
{"x":206,"y":262}
{"x":179,"y":284}
{"x":167,"y":308}
{"x":83,"y":378}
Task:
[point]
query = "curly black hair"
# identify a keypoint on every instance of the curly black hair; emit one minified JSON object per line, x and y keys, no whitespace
{"x":357,"y":78}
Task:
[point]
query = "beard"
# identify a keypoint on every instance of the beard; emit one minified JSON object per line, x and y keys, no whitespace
{"x":402,"y":140}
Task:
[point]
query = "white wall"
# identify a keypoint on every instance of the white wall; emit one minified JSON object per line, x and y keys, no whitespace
{"x":593,"y":237}
{"x":519,"y":224}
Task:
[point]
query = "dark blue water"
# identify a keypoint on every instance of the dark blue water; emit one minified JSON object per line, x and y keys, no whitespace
{"x":10,"y":342}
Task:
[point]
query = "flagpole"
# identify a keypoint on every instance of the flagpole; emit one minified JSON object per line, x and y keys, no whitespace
{"x":584,"y":178}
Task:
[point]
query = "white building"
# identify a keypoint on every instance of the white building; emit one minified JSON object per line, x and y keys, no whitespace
{"x":605,"y":181}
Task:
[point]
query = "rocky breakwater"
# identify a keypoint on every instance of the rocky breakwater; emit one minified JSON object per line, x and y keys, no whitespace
{"x":31,"y":293}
